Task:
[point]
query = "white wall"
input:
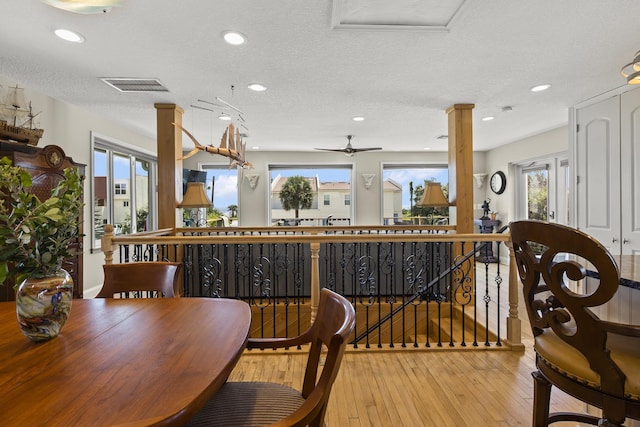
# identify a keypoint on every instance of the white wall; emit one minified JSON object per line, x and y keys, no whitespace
{"x":70,"y":128}
{"x":367,"y":203}
{"x":503,"y":158}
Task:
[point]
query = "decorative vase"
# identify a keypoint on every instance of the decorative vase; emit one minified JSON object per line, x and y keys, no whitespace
{"x":43,"y":305}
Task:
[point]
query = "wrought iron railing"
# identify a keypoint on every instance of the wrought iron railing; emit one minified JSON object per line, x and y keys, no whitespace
{"x":410,"y":286}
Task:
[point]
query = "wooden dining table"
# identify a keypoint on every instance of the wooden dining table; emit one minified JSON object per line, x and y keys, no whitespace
{"x":126,"y":362}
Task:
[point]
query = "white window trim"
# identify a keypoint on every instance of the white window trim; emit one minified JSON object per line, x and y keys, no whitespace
{"x":106,"y":143}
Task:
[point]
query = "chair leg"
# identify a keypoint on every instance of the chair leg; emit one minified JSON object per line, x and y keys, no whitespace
{"x":605,"y":423}
{"x":613,"y":413}
{"x":541,"y":398}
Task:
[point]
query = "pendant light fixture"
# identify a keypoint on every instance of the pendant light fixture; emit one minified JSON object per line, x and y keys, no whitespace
{"x":85,"y":7}
{"x":631,"y":71}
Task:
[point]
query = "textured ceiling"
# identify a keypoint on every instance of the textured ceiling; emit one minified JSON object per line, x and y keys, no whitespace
{"x":324,"y":62}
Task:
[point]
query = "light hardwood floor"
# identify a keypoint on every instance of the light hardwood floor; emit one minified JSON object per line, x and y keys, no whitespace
{"x":419,"y":387}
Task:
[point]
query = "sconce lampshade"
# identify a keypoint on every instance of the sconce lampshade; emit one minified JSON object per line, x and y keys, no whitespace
{"x":433,"y":196}
{"x":195,"y":196}
{"x":631,"y":71}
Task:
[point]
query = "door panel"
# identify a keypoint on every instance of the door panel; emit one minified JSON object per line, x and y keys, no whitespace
{"x":598,"y":171}
{"x":630,"y":171}
{"x":563,"y":194}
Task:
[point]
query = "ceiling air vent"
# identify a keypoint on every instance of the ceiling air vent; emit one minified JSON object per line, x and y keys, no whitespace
{"x":135,"y":85}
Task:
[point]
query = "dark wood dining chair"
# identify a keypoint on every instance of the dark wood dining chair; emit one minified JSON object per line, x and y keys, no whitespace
{"x":140,"y":279}
{"x":262,"y":403}
{"x":593,"y":360}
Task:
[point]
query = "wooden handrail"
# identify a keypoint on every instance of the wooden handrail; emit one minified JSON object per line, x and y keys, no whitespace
{"x":315,"y":236}
{"x":317,"y":228}
{"x":311,"y":238}
{"x":109,"y":244}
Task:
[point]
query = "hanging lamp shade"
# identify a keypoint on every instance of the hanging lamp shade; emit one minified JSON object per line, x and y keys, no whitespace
{"x":631,"y":71}
{"x":433,"y":196}
{"x":195,"y":196}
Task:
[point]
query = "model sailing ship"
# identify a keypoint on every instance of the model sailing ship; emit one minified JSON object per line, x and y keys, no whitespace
{"x":17,"y":118}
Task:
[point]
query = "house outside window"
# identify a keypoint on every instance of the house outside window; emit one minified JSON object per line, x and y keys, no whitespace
{"x":327,"y":182}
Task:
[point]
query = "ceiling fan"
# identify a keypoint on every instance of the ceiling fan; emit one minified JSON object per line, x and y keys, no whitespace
{"x":84,"y":6}
{"x":349,"y":150}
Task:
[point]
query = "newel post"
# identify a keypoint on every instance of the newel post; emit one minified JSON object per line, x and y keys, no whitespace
{"x":107,"y":245}
{"x":514,"y":326}
{"x":315,"y":279}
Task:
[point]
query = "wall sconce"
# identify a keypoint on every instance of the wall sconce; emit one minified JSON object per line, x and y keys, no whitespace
{"x":195,"y":198}
{"x":480,"y":177}
{"x":631,"y":71}
{"x":368,"y":179}
{"x":252,"y":179}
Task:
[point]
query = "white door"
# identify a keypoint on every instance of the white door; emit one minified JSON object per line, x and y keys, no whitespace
{"x":598,"y":172}
{"x":630,"y":171}
{"x":563,"y":193}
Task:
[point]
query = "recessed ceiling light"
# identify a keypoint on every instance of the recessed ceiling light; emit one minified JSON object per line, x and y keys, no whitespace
{"x":257,"y":87}
{"x":69,"y":35}
{"x":234,"y":38}
{"x":255,"y":148}
{"x":224,"y":117}
{"x":540,"y":88}
{"x":427,"y":148}
{"x":488,"y":118}
{"x":357,"y":118}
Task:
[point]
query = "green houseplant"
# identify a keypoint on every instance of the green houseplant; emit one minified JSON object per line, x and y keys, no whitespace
{"x":35,"y":238}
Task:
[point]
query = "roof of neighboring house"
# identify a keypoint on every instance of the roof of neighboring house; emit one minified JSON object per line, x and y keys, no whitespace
{"x":335,"y":186}
{"x":392,"y":185}
{"x":316,"y":185}
{"x":279,"y":181}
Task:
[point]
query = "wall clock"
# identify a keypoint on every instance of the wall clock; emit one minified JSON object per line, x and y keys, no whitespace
{"x":498,"y":182}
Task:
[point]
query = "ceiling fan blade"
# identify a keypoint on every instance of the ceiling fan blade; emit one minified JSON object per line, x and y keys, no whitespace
{"x":340,"y":150}
{"x":349,"y":150}
{"x":355,"y":150}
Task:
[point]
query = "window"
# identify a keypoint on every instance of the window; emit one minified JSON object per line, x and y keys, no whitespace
{"x":222,"y":189}
{"x":131,"y":175}
{"x":403,"y":186}
{"x":542,"y":189}
{"x":327,"y":182}
{"x":537,"y":193}
{"x":121,"y":189}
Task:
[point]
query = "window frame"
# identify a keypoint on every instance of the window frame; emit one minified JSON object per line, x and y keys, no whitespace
{"x":112,"y":146}
{"x":400,"y":166}
{"x":120,"y":188}
{"x":211,"y":193}
{"x":350,"y":167}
